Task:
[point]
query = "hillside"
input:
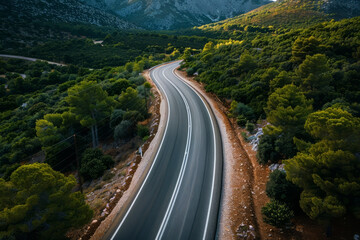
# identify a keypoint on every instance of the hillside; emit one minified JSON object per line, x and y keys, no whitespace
{"x":172,"y":14}
{"x":286,"y":13}
{"x":69,"y":11}
{"x":300,"y":87}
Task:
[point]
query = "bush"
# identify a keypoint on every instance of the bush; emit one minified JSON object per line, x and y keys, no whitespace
{"x":241,"y":121}
{"x":245,"y":136}
{"x":266,"y":150}
{"x":94,"y":163}
{"x":142,"y":131}
{"x":245,"y":110}
{"x":250,"y":127}
{"x":137,"y":80}
{"x":282,"y":190}
{"x":116,"y":117}
{"x":118,"y":87}
{"x":190,"y":71}
{"x":277,"y":214}
{"x":124,"y":130}
{"x":133,"y":116}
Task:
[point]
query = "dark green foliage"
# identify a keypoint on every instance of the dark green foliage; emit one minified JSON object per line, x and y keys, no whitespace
{"x":116,"y":117}
{"x":124,"y":130}
{"x":266,"y":151}
{"x":43,"y":120}
{"x":94,"y":163}
{"x":118,"y":87}
{"x":137,"y":80}
{"x":37,"y":190}
{"x":277,"y":214}
{"x":142,"y":131}
{"x":9,"y":170}
{"x":280,"y":189}
{"x":326,"y":170}
{"x":241,"y":121}
{"x":250,"y":127}
{"x":131,"y":101}
{"x":241,"y":109}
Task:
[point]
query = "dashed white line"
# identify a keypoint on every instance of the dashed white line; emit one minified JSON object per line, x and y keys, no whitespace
{"x":147,"y":176}
{"x":183,"y":167}
{"x":214,"y":167}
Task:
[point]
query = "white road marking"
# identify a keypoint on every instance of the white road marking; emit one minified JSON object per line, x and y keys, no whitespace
{"x":147,"y":176}
{"x":183,"y":167}
{"x":214,"y":171}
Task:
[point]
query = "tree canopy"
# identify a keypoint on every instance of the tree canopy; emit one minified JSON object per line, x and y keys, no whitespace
{"x":39,"y":203}
{"x":90,"y":103}
{"x":327,"y":172}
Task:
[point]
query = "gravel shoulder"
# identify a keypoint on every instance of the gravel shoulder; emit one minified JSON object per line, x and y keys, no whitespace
{"x":237,"y":205}
{"x":244,"y":185}
{"x":142,"y":169}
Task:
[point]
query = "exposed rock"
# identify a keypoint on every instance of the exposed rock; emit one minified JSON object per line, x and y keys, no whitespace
{"x":69,"y":11}
{"x":277,"y":166}
{"x":170,"y":14}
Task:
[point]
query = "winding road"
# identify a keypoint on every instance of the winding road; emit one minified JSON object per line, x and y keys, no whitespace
{"x":179,"y":198}
{"x":30,"y":59}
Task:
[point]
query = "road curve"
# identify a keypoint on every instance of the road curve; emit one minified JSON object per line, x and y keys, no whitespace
{"x":179,"y":198}
{"x":30,"y":59}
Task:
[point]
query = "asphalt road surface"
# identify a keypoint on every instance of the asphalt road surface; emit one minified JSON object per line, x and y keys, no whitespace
{"x":30,"y":59}
{"x":179,"y":198}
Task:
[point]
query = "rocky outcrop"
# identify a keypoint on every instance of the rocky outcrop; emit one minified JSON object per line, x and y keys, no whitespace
{"x":170,"y":14}
{"x":342,"y":9}
{"x":69,"y":11}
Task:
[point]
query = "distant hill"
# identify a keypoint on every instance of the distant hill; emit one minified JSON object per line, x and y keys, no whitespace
{"x":291,"y":13}
{"x":174,"y":14}
{"x":68,"y":11}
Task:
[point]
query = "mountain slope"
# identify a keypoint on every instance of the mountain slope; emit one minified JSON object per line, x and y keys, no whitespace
{"x":170,"y":14}
{"x":291,"y":13}
{"x":69,"y":11}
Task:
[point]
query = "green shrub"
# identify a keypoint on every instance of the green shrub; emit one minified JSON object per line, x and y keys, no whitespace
{"x":245,"y":136}
{"x":245,"y":110}
{"x":139,"y":80}
{"x":190,"y":71}
{"x":241,"y":121}
{"x":124,"y":130}
{"x":282,"y":190}
{"x":250,"y":127}
{"x":142,"y":131}
{"x":94,"y":163}
{"x":266,"y":150}
{"x":277,"y":214}
{"x":116,"y":117}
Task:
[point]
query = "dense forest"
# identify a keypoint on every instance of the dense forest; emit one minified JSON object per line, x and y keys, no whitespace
{"x":297,"y":77}
{"x":55,"y":117}
{"x":305,"y":82}
{"x":91,"y":46}
{"x":56,"y":113}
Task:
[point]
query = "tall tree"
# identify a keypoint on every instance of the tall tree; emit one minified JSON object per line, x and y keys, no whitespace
{"x":328,"y":171}
{"x":316,"y":79}
{"x":288,"y":108}
{"x":90,"y":103}
{"x":39,"y":203}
